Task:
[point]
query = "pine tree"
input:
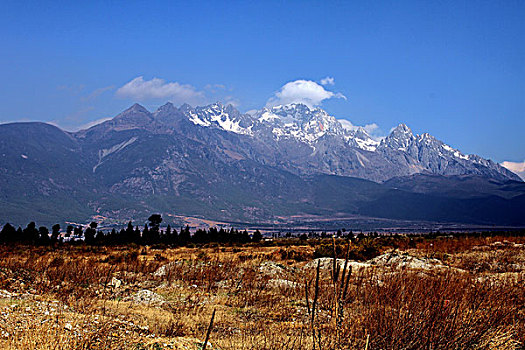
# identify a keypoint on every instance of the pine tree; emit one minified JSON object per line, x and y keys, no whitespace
{"x":100,"y":238}
{"x":185,"y":236}
{"x":257,"y":236}
{"x":55,"y":232}
{"x":31,"y":233}
{"x":128,"y":236}
{"x":8,"y":234}
{"x":155,"y":220}
{"x":89,"y":234}
{"x":136,"y":236}
{"x":146,"y":235}
{"x":245,"y":237}
{"x":43,"y":235}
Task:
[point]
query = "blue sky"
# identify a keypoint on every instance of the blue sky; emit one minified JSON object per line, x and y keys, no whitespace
{"x":453,"y":69}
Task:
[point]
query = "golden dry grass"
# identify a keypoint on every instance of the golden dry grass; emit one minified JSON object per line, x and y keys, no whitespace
{"x":76,"y":297}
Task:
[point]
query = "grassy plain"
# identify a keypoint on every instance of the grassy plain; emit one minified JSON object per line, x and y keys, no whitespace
{"x":403,"y":293}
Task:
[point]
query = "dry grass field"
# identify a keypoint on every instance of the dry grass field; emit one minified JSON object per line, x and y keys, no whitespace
{"x":421,"y":293}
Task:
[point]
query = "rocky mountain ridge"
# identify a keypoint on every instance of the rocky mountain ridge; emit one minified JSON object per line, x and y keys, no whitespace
{"x":215,"y":162}
{"x":309,"y":141}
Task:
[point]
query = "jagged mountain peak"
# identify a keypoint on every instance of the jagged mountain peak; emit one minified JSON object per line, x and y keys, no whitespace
{"x":358,"y":137}
{"x":167,"y":115}
{"x":185,"y":107}
{"x":400,"y":138}
{"x":401,"y":129}
{"x":137,"y":108}
{"x":165,"y":110}
{"x":297,"y":121}
{"x":217,"y":115}
{"x":136,"y":116}
{"x":168,"y":106}
{"x":294,"y":112}
{"x":217,"y":106}
{"x":297,"y":110}
{"x":291,"y":106}
{"x":291,"y":113}
{"x":361,"y":133}
{"x":326,"y":144}
{"x":231,"y":108}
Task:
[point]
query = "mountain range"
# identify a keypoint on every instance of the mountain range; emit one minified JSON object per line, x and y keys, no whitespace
{"x":215,"y":162}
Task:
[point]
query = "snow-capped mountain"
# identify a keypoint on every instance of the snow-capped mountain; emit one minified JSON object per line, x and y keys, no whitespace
{"x":297,"y":121}
{"x":214,"y":161}
{"x":350,"y":151}
{"x":429,"y":154}
{"x":216,"y":115}
{"x":307,"y":140}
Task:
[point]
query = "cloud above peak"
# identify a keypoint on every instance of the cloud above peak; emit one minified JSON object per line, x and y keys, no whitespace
{"x":156,"y":88}
{"x":328,"y":81}
{"x":302,"y":91}
{"x":371,"y":129}
{"x":516,"y":167}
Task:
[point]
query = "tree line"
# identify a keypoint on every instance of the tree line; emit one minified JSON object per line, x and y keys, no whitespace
{"x":150,"y":234}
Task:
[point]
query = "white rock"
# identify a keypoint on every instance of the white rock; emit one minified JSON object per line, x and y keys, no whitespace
{"x":270,"y":268}
{"x":115,"y":282}
{"x":146,"y":296}
{"x":405,"y":261}
{"x":282,"y":283}
{"x":165,"y":269}
{"x":4,"y":294}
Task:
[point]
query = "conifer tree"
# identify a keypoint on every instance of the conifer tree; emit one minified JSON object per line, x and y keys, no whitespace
{"x":54,"y":233}
{"x":185,"y":236}
{"x":257,"y":236}
{"x":146,"y":235}
{"x":89,"y":234}
{"x":31,"y":233}
{"x":129,"y":233}
{"x":43,"y":235}
{"x":8,"y":234}
{"x":155,"y":220}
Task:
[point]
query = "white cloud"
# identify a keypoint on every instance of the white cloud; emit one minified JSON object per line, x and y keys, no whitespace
{"x":328,"y":81}
{"x":156,"y":88}
{"x":215,"y":87}
{"x":230,"y":100}
{"x":302,"y":91}
{"x":347,"y":124}
{"x":93,"y":123}
{"x":96,"y":93}
{"x":369,"y":128}
{"x":516,"y":167}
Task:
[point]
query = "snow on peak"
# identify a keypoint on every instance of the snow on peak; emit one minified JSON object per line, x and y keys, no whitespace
{"x":298,"y":121}
{"x":399,"y":139}
{"x":401,"y":129}
{"x":454,"y":152}
{"x":362,"y":139}
{"x":226,"y":118}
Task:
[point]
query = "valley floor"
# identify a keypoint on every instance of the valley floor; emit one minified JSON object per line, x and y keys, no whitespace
{"x":404,"y":293}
